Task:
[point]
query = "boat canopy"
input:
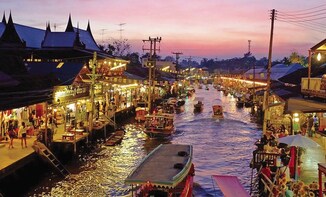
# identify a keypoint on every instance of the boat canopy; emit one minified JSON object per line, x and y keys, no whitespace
{"x":166,"y":166}
{"x":230,"y":186}
{"x":160,"y":115}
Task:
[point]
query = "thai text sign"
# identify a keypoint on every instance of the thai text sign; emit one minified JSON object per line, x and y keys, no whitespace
{"x":66,"y":93}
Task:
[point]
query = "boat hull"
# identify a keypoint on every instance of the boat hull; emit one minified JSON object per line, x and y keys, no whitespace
{"x":159,"y":133}
{"x":115,"y":138}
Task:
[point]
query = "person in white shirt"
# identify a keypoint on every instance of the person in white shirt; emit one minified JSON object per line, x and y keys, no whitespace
{"x":22,"y":134}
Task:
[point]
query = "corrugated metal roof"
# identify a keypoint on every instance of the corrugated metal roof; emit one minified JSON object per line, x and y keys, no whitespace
{"x":66,"y":73}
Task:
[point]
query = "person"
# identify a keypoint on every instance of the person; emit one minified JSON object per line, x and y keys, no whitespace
{"x":316,"y":123}
{"x":304,"y":128}
{"x":266,"y":170}
{"x":310,"y":125}
{"x":22,"y":134}
{"x":11,"y":133}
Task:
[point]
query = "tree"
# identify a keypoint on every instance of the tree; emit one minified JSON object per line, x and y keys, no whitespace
{"x":121,"y":48}
{"x":169,"y":59}
{"x":296,"y":58}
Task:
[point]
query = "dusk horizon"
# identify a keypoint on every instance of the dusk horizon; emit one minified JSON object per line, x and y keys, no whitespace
{"x":213,"y":30}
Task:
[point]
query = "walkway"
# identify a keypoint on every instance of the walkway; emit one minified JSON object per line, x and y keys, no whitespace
{"x":9,"y":157}
{"x":310,"y":159}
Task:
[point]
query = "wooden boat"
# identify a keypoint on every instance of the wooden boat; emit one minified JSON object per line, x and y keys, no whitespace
{"x":166,"y":171}
{"x":159,"y":125}
{"x":198,"y":107}
{"x":218,"y":111}
{"x":239,"y":102}
{"x":115,"y":138}
{"x":141,"y":112}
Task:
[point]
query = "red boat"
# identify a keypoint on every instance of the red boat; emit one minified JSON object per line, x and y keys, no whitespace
{"x":166,"y":171}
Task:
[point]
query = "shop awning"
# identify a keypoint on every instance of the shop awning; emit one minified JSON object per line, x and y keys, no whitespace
{"x":305,"y":106}
{"x":230,"y":186}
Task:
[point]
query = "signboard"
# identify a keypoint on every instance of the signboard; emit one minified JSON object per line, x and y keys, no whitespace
{"x":67,"y":93}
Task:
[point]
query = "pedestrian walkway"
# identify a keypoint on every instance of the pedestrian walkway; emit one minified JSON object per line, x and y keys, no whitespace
{"x":11,"y":156}
{"x":310,"y":159}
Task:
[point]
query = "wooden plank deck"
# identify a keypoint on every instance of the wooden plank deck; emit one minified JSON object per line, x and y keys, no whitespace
{"x":12,"y":159}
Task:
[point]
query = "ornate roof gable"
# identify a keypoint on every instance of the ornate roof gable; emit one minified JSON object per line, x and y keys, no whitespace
{"x":69,"y":27}
{"x":10,"y":37}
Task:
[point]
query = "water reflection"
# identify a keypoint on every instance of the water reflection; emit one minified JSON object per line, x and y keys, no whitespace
{"x":220,"y":147}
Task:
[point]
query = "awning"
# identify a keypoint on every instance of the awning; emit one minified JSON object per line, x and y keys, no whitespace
{"x":305,"y":106}
{"x":230,"y":186}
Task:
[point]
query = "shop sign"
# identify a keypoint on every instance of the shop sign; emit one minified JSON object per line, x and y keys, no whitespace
{"x":98,"y":90}
{"x":66,"y":93}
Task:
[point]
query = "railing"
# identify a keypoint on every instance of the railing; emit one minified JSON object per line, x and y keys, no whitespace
{"x":259,"y":157}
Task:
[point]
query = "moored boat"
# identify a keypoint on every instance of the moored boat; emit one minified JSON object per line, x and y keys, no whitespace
{"x":141,"y":112}
{"x":115,"y":138}
{"x":159,"y":125}
{"x":166,"y":171}
{"x":218,"y":111}
{"x":198,"y":107}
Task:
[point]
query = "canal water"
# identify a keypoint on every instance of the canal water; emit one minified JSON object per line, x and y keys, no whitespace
{"x":221,"y":147}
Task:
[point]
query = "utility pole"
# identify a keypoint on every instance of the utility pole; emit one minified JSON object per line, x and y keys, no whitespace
{"x":266,"y":95}
{"x":177,"y":63}
{"x":120,"y":29}
{"x":93,"y":76}
{"x":151,"y":62}
{"x":249,"y":41}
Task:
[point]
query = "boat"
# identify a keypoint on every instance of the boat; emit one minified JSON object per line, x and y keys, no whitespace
{"x":218,"y":111}
{"x":198,"y":107}
{"x":166,"y":171}
{"x":239,"y":102}
{"x":141,"y":110}
{"x":230,"y":185}
{"x":115,"y":138}
{"x":207,"y":88}
{"x":159,"y":125}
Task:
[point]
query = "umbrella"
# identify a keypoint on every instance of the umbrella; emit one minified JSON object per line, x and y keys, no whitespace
{"x":298,"y":141}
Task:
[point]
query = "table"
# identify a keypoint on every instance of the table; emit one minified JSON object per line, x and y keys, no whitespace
{"x":78,"y":131}
{"x":68,"y":136}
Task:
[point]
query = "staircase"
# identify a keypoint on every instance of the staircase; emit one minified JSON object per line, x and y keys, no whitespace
{"x":48,"y":156}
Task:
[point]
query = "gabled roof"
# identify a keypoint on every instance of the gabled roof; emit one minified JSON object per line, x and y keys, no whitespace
{"x":32,"y":36}
{"x":87,"y":38}
{"x":66,"y":73}
{"x":320,"y":46}
{"x":59,"y":39}
{"x":2,"y":27}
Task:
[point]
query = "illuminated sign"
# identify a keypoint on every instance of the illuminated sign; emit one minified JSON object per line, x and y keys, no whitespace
{"x":66,"y":93}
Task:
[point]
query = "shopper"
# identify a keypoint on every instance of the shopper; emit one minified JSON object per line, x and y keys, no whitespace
{"x":12,"y":134}
{"x":22,"y":133}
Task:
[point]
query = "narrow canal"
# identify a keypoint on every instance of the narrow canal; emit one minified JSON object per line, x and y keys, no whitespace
{"x":220,"y":147}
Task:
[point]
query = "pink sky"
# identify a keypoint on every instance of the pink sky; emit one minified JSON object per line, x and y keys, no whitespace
{"x":199,"y":28}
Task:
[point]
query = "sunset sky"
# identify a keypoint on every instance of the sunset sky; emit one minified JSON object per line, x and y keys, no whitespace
{"x":198,"y":28}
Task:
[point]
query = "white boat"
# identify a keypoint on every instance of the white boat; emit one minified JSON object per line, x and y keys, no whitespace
{"x":166,"y":171}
